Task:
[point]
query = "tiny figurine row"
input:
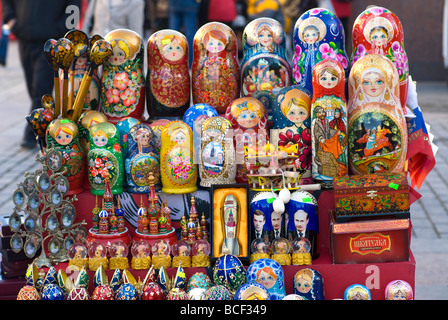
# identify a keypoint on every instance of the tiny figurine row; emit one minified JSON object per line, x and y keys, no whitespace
{"x":263,"y":280}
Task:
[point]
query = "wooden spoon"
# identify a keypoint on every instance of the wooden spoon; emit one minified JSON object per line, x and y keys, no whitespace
{"x":49,"y":55}
{"x":64,"y":53}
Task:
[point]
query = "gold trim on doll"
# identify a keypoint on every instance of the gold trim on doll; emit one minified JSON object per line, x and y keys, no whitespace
{"x":63,"y":126}
{"x":381,"y":25}
{"x":90,"y":118}
{"x":254,"y":28}
{"x":312,"y":23}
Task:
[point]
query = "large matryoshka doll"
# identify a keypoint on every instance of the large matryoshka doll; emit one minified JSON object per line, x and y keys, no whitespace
{"x":249,"y":120}
{"x":122,"y":79}
{"x":177,"y":168}
{"x":268,"y":273}
{"x":168,"y":77}
{"x":265,"y":69}
{"x":377,"y":132}
{"x":329,"y":122}
{"x":291,"y":134}
{"x":141,"y":159}
{"x":378,"y":30}
{"x":104,"y":157}
{"x":318,"y":35}
{"x":215,"y":70}
{"x":217,"y":156}
{"x":63,"y":136}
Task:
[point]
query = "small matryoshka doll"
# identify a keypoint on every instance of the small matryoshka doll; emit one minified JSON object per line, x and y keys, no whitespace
{"x":377,"y":131}
{"x":291,"y":134}
{"x":177,"y":168}
{"x":399,"y":290}
{"x":268,"y":273}
{"x":215,"y":69}
{"x":105,"y":156}
{"x":265,"y":69}
{"x":157,"y":127}
{"x":378,"y":30}
{"x":123,"y":82}
{"x":88,"y":119}
{"x":141,"y":159}
{"x":309,"y":284}
{"x":217,"y":157}
{"x":62,"y":135}
{"x":329,"y":122}
{"x":357,"y":292}
{"x":318,"y":35}
{"x":168,"y":77}
{"x":248,"y":118}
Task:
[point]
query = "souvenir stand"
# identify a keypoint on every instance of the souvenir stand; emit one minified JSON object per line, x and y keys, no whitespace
{"x":299,"y":189}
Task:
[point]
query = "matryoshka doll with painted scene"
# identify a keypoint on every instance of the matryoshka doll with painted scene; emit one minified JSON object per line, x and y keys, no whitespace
{"x":377,"y":131}
{"x":105,"y":156}
{"x":217,"y":155}
{"x":122,"y":79}
{"x":168,"y":77}
{"x":329,"y":122}
{"x":177,"y":168}
{"x":318,"y":35}
{"x":215,"y":70}
{"x":249,"y":122}
{"x":63,"y":136}
{"x":378,"y":30}
{"x":265,"y":69}
{"x":291,"y":134}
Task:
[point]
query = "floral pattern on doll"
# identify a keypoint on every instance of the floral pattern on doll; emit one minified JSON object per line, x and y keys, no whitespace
{"x":268,"y":273}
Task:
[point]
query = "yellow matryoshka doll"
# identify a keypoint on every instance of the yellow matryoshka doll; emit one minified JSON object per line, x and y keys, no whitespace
{"x":63,"y":136}
{"x":217,"y":155}
{"x":168,"y":77}
{"x":215,"y":69}
{"x":329,"y":122}
{"x":377,"y":132}
{"x":177,"y":168}
{"x":105,"y":157}
{"x":123,"y":82}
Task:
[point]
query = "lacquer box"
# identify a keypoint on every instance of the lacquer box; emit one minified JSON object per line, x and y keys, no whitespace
{"x":371,"y":195}
{"x":369,"y":241}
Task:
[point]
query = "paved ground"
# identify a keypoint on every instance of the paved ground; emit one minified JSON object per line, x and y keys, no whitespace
{"x":429,"y":215}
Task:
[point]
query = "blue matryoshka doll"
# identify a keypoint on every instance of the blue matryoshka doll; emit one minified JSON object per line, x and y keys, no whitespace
{"x":265,"y":69}
{"x":303,"y":221}
{"x":309,"y":284}
{"x":357,"y":292}
{"x":268,"y":273}
{"x":318,"y":35}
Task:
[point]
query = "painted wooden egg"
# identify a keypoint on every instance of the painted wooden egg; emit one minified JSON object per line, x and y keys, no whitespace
{"x":229,"y":272}
{"x":28,"y":293}
{"x":218,"y":292}
{"x":196,"y":294}
{"x":177,"y":294}
{"x":52,"y":292}
{"x":78,"y":293}
{"x":127,"y":291}
{"x":103,"y":292}
{"x":152,"y":291}
{"x":199,"y":280}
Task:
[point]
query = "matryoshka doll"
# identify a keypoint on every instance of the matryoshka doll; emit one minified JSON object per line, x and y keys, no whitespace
{"x":309,"y":284}
{"x":249,"y":122}
{"x":141,"y":159}
{"x":168,"y":77}
{"x":377,"y":131}
{"x":265,"y":69}
{"x":318,"y":35}
{"x":105,"y":156}
{"x":268,"y":273}
{"x":177,"y":168}
{"x":378,"y":30}
{"x":215,"y":69}
{"x":399,"y":290}
{"x":63,"y":135}
{"x":291,"y":134}
{"x":157,"y":127}
{"x":122,"y":79}
{"x":329,"y":122}
{"x":217,"y":155}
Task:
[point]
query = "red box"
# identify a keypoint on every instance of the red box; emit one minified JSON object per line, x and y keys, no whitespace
{"x":370,"y":241}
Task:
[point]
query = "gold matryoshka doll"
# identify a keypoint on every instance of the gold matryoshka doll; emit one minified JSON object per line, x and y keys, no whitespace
{"x":63,"y":136}
{"x":123,"y":82}
{"x":217,"y":155}
{"x":377,"y":132}
{"x":177,"y":168}
{"x":168,"y":77}
{"x":215,"y":69}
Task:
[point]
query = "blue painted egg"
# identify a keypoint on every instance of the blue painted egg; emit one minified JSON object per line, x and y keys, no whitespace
{"x":229,"y":272}
{"x":127,"y":291}
{"x":52,"y":292}
{"x":199,"y":280}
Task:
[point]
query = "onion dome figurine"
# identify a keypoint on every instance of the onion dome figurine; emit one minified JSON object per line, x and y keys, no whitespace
{"x":215,"y":70}
{"x":119,"y":212}
{"x":141,"y":251}
{"x":309,"y":284}
{"x":118,"y":251}
{"x":181,"y":254}
{"x":268,"y":273}
{"x":168,"y":78}
{"x":142,"y":221}
{"x":122,"y":79}
{"x":399,"y":290}
{"x":167,"y":213}
{"x":104,"y":221}
{"x":357,"y":292}
{"x":229,"y":272}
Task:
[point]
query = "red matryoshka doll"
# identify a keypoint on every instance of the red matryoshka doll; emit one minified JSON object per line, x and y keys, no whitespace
{"x":329,"y":122}
{"x":378,"y":30}
{"x":265,"y":69}
{"x":123,"y":82}
{"x":168,"y":77}
{"x":215,"y":70}
{"x":248,"y":118}
{"x":377,"y":131}
{"x":63,"y":136}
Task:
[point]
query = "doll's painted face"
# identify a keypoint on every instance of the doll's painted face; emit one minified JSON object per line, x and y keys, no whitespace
{"x":118,"y":56}
{"x":248,"y":119}
{"x":328,"y":80}
{"x":214,"y":45}
{"x":143,"y":137}
{"x":100,"y":138}
{"x":373,"y":84}
{"x":297,"y":114}
{"x":302,"y":285}
{"x":379,"y":37}
{"x":266,"y":279}
{"x":310,"y":34}
{"x":179,"y":136}
{"x":213,"y":132}
{"x":173,"y":51}
{"x":64,"y":136}
{"x":265,"y":37}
